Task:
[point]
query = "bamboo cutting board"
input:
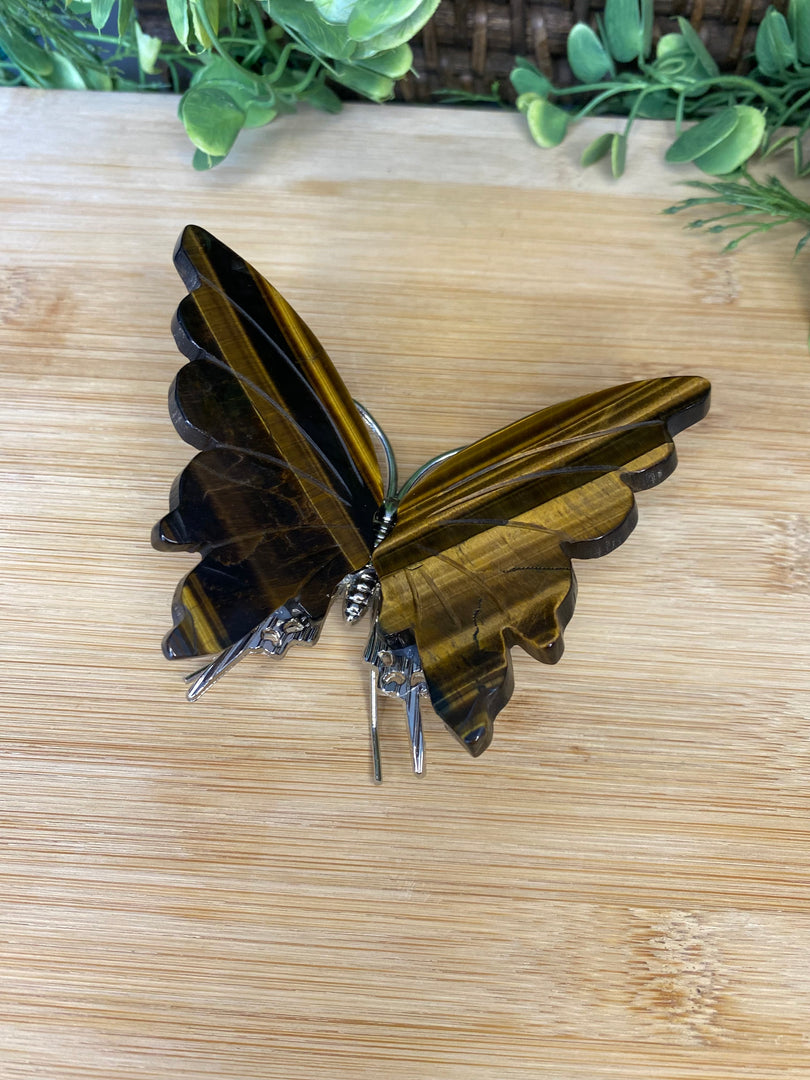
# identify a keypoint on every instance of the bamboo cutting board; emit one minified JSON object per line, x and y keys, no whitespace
{"x":620,"y":886}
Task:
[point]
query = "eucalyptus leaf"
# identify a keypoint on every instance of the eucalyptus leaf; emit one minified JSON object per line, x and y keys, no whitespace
{"x":647,"y":26}
{"x":678,"y":67}
{"x":524,"y":101}
{"x":700,"y":51}
{"x":773,"y":47}
{"x":587,"y":56}
{"x":148,"y":49}
{"x":618,"y":154}
{"x":527,"y":79}
{"x":596,"y":150}
{"x":702,"y":137}
{"x":798,"y":16}
{"x":372,"y":17}
{"x":212,"y":119}
{"x":547,"y":123}
{"x":659,"y":105}
{"x":672,"y":45}
{"x":731,"y":153}
{"x":100,"y":12}
{"x":624,"y":32}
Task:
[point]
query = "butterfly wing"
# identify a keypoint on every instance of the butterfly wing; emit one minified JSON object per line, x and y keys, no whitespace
{"x":281,"y":500}
{"x":480,"y":557}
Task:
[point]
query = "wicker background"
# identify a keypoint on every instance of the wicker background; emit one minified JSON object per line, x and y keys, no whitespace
{"x":470,"y":44}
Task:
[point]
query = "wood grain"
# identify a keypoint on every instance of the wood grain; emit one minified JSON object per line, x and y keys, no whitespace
{"x":620,"y":886}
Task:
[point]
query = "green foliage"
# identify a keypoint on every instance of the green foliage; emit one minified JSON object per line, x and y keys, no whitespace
{"x":757,"y":208}
{"x":587,"y":56}
{"x":624,"y":33}
{"x":546,"y":122}
{"x":241,"y":62}
{"x":618,"y":72}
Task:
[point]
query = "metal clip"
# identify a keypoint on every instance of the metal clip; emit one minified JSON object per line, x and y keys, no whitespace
{"x":291,"y":624}
{"x":397,"y":672}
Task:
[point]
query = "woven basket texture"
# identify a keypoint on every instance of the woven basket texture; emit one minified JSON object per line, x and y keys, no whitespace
{"x":470,"y":44}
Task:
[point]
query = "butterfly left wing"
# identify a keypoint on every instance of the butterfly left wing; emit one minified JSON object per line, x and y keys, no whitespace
{"x":281,"y":500}
{"x":480,"y":557}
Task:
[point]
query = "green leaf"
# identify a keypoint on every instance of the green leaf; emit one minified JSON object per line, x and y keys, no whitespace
{"x":372,"y":17}
{"x":659,"y":105}
{"x":624,"y":32}
{"x":618,"y":154}
{"x":25,"y":53}
{"x":547,"y":123}
{"x":202,"y":10}
{"x":216,"y":70}
{"x":202,"y":161}
{"x":647,"y":26}
{"x":321,"y":37}
{"x":774,"y":46}
{"x":742,"y":143}
{"x":100,"y":11}
{"x":399,"y":34}
{"x":178,"y":17}
{"x":321,"y":97}
{"x":259,"y":113}
{"x":368,"y":83}
{"x":148,"y":49}
{"x":125,"y":9}
{"x":335,"y":11}
{"x":65,"y":75}
{"x":212,"y":119}
{"x":525,"y":100}
{"x":798,"y":15}
{"x":393,"y":63}
{"x":95,"y":79}
{"x":527,"y":79}
{"x":672,"y":45}
{"x":702,"y":137}
{"x":596,"y":150}
{"x":701,"y":53}
{"x":587,"y":56}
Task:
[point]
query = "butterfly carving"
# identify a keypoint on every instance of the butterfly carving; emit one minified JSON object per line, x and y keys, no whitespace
{"x":286,"y":505}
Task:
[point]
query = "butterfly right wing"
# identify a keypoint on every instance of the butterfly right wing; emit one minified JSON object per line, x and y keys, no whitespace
{"x":281,"y":500}
{"x":480,"y":556}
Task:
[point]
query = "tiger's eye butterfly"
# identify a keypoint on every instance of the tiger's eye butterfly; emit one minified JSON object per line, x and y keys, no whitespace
{"x":285,"y":502}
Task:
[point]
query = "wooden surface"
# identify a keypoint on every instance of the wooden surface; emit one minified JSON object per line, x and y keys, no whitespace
{"x":620,"y":887}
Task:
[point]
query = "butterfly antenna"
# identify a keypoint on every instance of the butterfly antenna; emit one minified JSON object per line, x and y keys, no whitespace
{"x":392,"y":479}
